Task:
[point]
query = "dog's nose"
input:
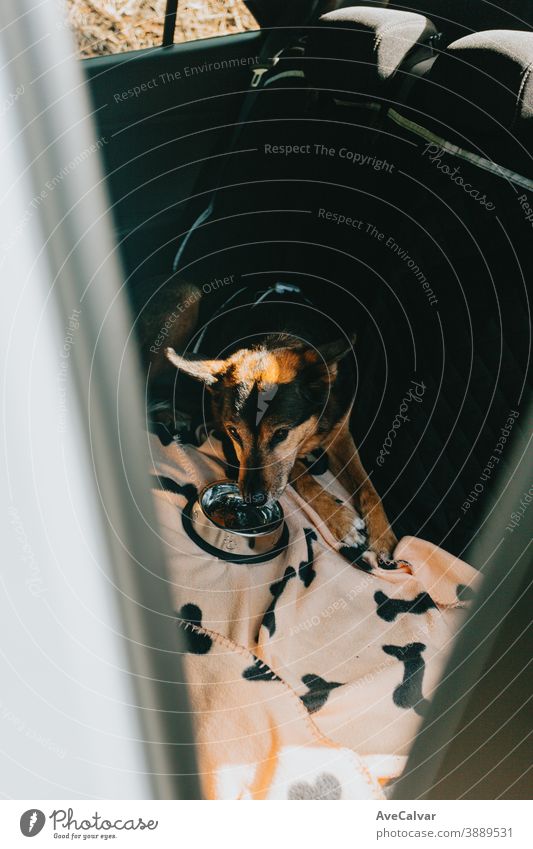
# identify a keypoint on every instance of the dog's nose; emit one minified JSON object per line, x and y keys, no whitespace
{"x":259,"y":498}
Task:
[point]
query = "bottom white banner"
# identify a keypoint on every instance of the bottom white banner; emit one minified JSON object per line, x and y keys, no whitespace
{"x":354,"y":824}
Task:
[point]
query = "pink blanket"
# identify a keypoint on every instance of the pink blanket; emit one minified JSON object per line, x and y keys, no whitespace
{"x":308,"y":677}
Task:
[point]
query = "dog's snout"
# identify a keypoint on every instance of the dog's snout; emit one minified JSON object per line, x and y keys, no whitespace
{"x":253,"y":489}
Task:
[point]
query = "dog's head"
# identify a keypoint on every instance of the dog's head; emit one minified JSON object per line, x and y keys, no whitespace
{"x":273,"y":403}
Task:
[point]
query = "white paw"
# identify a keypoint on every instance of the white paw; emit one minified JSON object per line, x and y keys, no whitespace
{"x":355,"y":537}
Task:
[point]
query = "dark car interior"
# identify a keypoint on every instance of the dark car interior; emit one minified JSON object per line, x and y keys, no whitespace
{"x":378,"y":156}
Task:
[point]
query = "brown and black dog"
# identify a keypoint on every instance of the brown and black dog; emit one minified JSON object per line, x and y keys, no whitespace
{"x":278,"y":397}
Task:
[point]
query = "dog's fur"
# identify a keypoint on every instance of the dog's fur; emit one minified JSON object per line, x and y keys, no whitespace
{"x":275,"y":400}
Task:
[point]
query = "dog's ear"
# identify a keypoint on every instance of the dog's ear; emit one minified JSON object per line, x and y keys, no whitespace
{"x":334,"y":352}
{"x":207,"y":371}
{"x":323,"y":361}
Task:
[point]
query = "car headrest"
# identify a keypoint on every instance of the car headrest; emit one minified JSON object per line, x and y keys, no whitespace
{"x":458,"y":18}
{"x":358,"y":51}
{"x":479,"y":95}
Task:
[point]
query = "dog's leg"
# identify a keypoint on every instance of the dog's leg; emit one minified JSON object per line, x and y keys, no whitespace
{"x":346,"y":465}
{"x":340,"y":519}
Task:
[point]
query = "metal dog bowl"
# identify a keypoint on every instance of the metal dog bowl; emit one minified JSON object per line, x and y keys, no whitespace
{"x":228,"y":523}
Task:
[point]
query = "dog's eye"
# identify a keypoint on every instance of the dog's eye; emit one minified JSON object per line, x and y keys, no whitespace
{"x":280,"y":435}
{"x":233,"y":432}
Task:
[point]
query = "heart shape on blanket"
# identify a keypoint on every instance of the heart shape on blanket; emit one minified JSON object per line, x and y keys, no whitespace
{"x":325,"y":787}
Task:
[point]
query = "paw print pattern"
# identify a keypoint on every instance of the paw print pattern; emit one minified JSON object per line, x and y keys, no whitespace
{"x":354,"y":555}
{"x":389,"y":608}
{"x":408,"y":694}
{"x":259,"y":671}
{"x":306,"y":570}
{"x":188,"y":490}
{"x":190,"y":619}
{"x":325,"y":787}
{"x":269,"y":619}
{"x":318,"y":692}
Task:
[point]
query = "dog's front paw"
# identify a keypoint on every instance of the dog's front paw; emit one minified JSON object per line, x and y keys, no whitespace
{"x":346,"y":527}
{"x":356,"y":536}
{"x":350,"y":532}
{"x":381,"y":550}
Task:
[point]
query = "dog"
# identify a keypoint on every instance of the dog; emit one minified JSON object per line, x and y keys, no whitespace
{"x":275,"y":397}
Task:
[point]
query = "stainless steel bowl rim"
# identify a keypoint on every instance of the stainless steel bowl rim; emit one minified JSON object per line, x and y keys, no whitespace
{"x":269,"y":529}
